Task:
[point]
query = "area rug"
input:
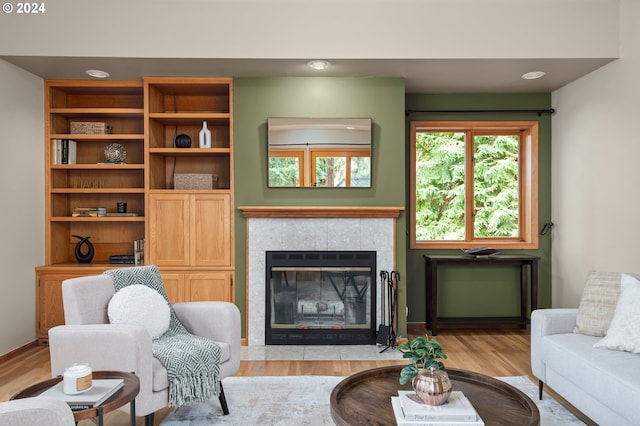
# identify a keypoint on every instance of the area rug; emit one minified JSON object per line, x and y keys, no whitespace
{"x":304,"y":400}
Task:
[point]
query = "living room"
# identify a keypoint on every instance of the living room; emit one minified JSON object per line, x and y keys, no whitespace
{"x":588,"y":141}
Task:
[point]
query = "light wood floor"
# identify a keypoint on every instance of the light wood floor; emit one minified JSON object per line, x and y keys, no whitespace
{"x":492,"y":352}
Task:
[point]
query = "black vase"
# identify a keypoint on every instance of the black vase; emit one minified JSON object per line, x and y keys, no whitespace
{"x":84,"y":257}
{"x":182,"y":141}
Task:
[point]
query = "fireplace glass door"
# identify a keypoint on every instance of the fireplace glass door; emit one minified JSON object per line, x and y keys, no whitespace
{"x":320,"y":304}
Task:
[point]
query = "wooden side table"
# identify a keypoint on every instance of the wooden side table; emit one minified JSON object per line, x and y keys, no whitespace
{"x":125,"y":395}
{"x":528,"y":268}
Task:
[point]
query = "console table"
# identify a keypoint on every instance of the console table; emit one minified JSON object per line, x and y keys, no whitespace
{"x":528,"y":278}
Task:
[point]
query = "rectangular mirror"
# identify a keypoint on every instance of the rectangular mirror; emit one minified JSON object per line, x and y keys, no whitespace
{"x":319,"y":152}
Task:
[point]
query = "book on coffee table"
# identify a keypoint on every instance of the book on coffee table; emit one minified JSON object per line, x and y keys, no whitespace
{"x":100,"y":391}
{"x":458,"y":407}
{"x":401,"y":421}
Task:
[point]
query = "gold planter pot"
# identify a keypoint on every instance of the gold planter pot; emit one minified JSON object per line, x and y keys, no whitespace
{"x":432,"y":386}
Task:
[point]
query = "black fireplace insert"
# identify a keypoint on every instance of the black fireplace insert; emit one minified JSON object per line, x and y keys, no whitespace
{"x":320,"y":298}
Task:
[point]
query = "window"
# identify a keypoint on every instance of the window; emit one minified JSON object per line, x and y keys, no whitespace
{"x":474,"y":184}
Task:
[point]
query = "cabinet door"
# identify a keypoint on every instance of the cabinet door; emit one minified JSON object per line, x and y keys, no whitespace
{"x":50,"y":311}
{"x":210,"y":286}
{"x":169,"y":229}
{"x":174,"y":286}
{"x":210,"y":232}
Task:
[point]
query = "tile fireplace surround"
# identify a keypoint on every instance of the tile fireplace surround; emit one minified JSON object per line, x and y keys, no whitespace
{"x":312,"y":228}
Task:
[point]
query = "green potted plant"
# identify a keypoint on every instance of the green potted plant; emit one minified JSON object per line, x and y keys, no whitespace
{"x":426,"y":374}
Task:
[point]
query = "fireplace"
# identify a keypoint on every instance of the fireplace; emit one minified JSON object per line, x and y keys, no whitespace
{"x":320,"y":297}
{"x":289,"y":228}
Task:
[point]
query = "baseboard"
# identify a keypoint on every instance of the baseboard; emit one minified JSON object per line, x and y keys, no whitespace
{"x":18,"y":351}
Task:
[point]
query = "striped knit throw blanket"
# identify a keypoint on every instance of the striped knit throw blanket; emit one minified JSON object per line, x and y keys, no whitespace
{"x":192,"y":362}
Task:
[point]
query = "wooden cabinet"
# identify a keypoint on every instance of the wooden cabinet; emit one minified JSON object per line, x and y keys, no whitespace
{"x":179,"y":200}
{"x":49,"y":312}
{"x":190,"y":189}
{"x":189,"y":286}
{"x":189,"y":229}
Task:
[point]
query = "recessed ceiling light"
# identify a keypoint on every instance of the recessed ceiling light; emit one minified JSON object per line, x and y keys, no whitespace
{"x":319,"y":64}
{"x":97,"y":73}
{"x":533,"y":75}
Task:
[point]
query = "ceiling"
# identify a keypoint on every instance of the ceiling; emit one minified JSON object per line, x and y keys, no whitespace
{"x":420,"y":75}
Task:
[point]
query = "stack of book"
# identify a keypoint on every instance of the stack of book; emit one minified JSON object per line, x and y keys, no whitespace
{"x":89,"y":211}
{"x":138,"y":252}
{"x":99,"y":392}
{"x":64,"y":151}
{"x":458,"y":411}
{"x":122,"y":259}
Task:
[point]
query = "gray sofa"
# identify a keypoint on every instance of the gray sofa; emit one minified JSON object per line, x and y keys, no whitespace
{"x":603,"y":384}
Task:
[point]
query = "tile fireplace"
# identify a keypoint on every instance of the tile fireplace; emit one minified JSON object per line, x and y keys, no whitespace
{"x":315,"y":229}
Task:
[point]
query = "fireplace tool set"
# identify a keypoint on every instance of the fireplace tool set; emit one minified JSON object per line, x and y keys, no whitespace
{"x":386,"y":333}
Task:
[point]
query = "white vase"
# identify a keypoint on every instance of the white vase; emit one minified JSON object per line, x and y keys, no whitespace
{"x":205,"y":136}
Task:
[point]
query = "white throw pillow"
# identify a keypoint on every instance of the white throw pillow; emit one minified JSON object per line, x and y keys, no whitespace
{"x":140,"y":305}
{"x":624,"y":331}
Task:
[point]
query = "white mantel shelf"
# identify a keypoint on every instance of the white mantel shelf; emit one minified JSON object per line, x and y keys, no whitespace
{"x":320,"y":212}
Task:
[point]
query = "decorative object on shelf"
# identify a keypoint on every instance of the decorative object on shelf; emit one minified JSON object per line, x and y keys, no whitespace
{"x":90,"y":128}
{"x":195,"y":181}
{"x":205,"y":136}
{"x":182,"y":141}
{"x":121,"y":207}
{"x":115,"y":153}
{"x":429,"y":380}
{"x":84,"y":257}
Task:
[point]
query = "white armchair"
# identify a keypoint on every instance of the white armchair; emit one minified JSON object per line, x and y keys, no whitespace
{"x":36,"y":411}
{"x":88,"y":337}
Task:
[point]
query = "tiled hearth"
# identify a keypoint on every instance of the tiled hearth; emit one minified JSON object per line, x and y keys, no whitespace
{"x":318,"y":353}
{"x":306,"y":228}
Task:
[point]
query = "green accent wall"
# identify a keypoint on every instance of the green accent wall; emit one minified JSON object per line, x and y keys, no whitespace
{"x":483,"y":291}
{"x":257,"y":99}
{"x":469,"y":292}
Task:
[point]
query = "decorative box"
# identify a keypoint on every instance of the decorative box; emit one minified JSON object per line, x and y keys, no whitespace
{"x":90,"y":128}
{"x":195,"y":181}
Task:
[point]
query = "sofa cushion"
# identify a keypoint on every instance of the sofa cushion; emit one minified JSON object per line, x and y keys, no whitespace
{"x":140,"y":305}
{"x":624,"y":331}
{"x":598,"y":303}
{"x":611,"y":377}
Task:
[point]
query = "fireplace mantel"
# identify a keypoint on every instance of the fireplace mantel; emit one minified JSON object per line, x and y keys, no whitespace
{"x":319,"y":212}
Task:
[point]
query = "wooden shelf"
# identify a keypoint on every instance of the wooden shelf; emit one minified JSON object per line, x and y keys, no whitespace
{"x":144,"y":117}
{"x":98,"y":219}
{"x":98,"y":138}
{"x":191,"y":151}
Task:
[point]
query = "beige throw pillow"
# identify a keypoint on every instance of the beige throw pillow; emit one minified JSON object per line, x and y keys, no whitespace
{"x":598,"y":303}
{"x":624,"y":331}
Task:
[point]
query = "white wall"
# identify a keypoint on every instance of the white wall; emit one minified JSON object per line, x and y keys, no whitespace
{"x":596,"y":169}
{"x":22,"y":195}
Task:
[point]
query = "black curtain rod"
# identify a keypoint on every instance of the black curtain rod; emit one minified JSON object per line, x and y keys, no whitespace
{"x":471,"y":111}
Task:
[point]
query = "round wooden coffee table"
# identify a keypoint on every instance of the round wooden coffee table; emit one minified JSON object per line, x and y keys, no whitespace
{"x":125,"y":395}
{"x":365,"y":398}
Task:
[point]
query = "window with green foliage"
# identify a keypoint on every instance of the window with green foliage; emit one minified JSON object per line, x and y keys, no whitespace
{"x":474,"y":184}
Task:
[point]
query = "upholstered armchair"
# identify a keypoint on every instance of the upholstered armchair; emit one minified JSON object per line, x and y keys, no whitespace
{"x":36,"y":411}
{"x":88,"y":337}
